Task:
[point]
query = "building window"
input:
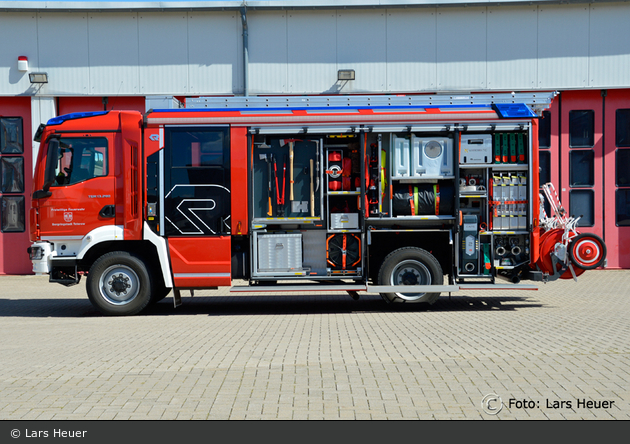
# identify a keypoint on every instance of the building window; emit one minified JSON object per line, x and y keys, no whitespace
{"x":12,"y":170}
{"x":622,"y":127}
{"x":582,"y":203}
{"x":582,"y":168}
{"x":581,"y":128}
{"x":544,"y":130}
{"x":11,"y":140}
{"x":545,"y":167}
{"x":622,"y":209}
{"x":12,"y":214}
{"x":623,"y":168}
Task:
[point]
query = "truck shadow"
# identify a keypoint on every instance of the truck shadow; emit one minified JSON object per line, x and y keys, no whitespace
{"x":268,"y":305}
{"x":334,"y":304}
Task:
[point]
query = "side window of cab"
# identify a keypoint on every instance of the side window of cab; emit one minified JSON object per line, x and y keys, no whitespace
{"x":81,"y":159}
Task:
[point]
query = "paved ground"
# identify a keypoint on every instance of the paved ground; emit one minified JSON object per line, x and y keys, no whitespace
{"x":318,"y":357}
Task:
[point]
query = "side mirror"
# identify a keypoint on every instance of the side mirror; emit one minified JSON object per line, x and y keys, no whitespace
{"x":51,"y":162}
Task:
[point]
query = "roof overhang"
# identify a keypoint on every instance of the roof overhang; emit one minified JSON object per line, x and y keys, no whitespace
{"x":140,"y":6}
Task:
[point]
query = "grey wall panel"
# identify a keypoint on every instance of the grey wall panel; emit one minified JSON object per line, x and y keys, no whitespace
{"x":609,"y":50}
{"x":411,"y":50}
{"x":512,"y":48}
{"x":299,"y":51}
{"x":461,"y":49}
{"x":113,"y":66}
{"x":62,"y":41}
{"x":267,"y":52}
{"x":563,"y":33}
{"x":361,"y":45}
{"x":163,"y":48}
{"x":214,"y":53}
{"x":18,"y":37}
{"x":312,"y":52}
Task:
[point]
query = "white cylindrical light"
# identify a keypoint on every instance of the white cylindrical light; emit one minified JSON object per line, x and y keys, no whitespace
{"x":22,"y":63}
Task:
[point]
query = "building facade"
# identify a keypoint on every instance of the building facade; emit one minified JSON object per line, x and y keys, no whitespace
{"x":101,"y":56}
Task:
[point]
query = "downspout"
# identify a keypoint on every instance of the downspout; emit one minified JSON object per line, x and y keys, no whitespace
{"x":245,"y":48}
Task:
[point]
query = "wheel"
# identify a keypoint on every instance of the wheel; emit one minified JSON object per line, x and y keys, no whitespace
{"x":119,"y":283}
{"x":410,"y":266}
{"x":587,"y":251}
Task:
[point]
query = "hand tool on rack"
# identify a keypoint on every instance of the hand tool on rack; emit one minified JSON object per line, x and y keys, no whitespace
{"x":291,"y":170}
{"x":280,"y":195}
{"x":283,"y":142}
{"x":270,"y":187}
{"x":312,"y":192}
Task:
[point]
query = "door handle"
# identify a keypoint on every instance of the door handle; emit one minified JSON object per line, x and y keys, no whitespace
{"x":108,"y":211}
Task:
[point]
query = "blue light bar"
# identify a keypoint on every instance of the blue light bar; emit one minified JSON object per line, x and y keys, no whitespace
{"x":513,"y":111}
{"x":60,"y":119}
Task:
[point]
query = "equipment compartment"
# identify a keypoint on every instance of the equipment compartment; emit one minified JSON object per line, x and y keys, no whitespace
{"x":286,"y":179}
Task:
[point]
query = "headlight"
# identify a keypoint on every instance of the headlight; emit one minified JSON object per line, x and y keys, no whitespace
{"x":35,"y":253}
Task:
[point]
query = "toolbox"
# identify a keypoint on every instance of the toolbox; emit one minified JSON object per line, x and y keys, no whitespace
{"x":344,"y":221}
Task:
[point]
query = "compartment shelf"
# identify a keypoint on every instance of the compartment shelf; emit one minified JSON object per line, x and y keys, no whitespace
{"x":495,"y":166}
{"x":508,"y":167}
{"x":423,"y":179}
{"x":422,"y":218}
{"x":343,"y":193}
{"x":277,"y":220}
{"x":510,"y":267}
{"x":473,"y":196}
{"x":503,"y":232}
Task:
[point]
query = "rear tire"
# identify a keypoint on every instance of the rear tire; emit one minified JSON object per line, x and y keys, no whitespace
{"x":119,"y":284}
{"x":410,"y":266}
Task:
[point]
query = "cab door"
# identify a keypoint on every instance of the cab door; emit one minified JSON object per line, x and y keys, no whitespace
{"x":197,"y":204}
{"x":82,"y":195}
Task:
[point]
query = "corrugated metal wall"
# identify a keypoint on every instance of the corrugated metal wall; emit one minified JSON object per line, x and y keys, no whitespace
{"x":300,"y":51}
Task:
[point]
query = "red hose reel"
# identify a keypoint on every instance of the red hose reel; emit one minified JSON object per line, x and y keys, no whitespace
{"x":586,"y":251}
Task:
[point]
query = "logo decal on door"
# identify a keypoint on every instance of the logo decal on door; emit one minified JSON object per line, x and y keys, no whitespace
{"x":199,"y":209}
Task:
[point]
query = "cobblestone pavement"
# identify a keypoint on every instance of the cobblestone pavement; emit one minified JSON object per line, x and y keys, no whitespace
{"x":320,"y":356}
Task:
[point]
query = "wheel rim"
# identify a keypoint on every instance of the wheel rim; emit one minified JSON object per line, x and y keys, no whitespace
{"x":587,"y":252}
{"x":410,"y":272}
{"x":119,"y":285}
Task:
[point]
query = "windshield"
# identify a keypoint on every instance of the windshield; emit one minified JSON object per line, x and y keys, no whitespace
{"x":80,"y":159}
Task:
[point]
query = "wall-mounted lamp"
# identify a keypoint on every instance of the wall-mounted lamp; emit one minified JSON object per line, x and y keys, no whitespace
{"x":38,"y":77}
{"x":22,"y":63}
{"x":345,"y":74}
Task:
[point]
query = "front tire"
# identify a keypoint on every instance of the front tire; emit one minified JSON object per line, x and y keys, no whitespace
{"x":410,"y":266}
{"x":119,"y":284}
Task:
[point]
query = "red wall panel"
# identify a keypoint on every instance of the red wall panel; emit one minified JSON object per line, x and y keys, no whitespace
{"x":617,"y":238}
{"x":69,"y":105}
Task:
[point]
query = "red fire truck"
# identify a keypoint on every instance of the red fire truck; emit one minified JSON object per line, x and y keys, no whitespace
{"x":406,"y":196}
